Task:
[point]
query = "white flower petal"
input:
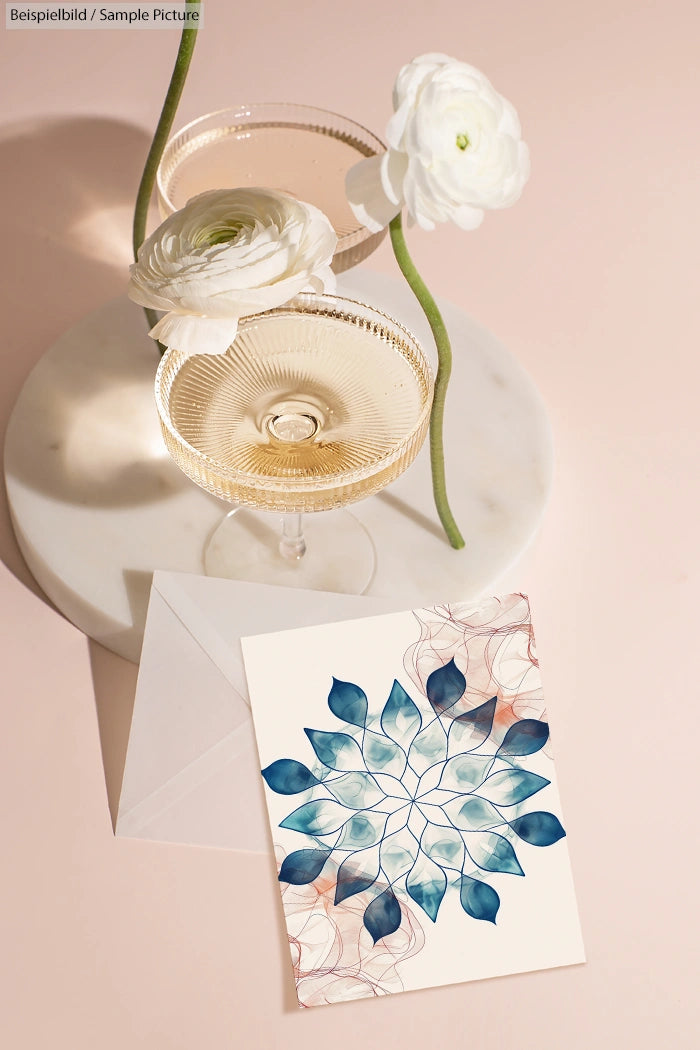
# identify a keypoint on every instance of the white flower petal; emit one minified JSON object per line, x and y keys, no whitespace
{"x":227,"y":254}
{"x":195,"y":335}
{"x":393,"y":171}
{"x":456,"y":148}
{"x":367,"y":197}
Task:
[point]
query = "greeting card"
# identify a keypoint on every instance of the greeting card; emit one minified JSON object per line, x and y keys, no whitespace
{"x":412,"y":799}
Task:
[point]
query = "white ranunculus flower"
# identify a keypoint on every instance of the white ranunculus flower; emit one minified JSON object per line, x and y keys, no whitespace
{"x":228,"y":254}
{"x":454,"y":150}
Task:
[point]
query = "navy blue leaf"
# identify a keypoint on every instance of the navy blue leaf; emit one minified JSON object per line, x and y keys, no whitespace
{"x":400,"y":718}
{"x":493,"y":852}
{"x":479,"y":899}
{"x":426,"y":884}
{"x":286,"y":776}
{"x":303,"y":866}
{"x":445,"y":687}
{"x":524,"y":737}
{"x":351,"y":880}
{"x":481,"y":717}
{"x":383,"y":915}
{"x":348,"y":702}
{"x":539,"y":829}
{"x":336,"y":750}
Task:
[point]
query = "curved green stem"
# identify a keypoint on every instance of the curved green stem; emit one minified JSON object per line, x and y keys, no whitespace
{"x":444,"y":352}
{"x":163,"y":128}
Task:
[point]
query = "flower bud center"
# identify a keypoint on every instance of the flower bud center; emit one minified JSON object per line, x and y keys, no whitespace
{"x":222,"y":234}
{"x":462,"y":141}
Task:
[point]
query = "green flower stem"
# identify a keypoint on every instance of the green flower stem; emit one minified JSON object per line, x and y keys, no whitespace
{"x":165,"y":123}
{"x":444,"y":352}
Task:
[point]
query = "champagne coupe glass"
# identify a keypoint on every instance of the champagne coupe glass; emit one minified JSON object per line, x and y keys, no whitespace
{"x":315,"y":404}
{"x":299,"y":150}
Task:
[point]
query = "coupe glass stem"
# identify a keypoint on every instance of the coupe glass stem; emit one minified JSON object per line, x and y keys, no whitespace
{"x":292,"y":544}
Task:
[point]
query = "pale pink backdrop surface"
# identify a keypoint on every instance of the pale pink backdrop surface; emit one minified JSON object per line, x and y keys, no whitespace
{"x":592,"y":281}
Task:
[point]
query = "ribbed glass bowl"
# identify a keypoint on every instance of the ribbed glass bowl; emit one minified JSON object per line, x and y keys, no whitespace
{"x":316,"y":404}
{"x":299,"y":150}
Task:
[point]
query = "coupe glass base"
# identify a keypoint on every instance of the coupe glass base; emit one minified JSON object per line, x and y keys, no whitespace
{"x":340,"y":555}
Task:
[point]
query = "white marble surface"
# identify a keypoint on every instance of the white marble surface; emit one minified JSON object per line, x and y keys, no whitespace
{"x":97,"y":504}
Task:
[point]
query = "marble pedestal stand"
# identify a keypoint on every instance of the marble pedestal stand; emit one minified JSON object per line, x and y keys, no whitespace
{"x":97,"y":504}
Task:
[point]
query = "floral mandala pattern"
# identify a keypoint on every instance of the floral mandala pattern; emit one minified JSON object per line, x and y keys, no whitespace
{"x":415,"y":801}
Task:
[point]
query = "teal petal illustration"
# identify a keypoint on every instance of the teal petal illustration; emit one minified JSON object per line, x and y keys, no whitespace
{"x":434,"y":814}
{"x":400,"y":718}
{"x":356,"y":874}
{"x":428,"y":747}
{"x":412,"y":794}
{"x":510,"y":786}
{"x":463,"y":773}
{"x":303,"y":866}
{"x":383,"y":916}
{"x":444,"y":845}
{"x":392,"y":787}
{"x":336,"y":750}
{"x":398,"y":854}
{"x":479,"y":899}
{"x":356,"y":790}
{"x":470,"y":730}
{"x":426,"y":883}
{"x":348,"y":703}
{"x":524,"y":738}
{"x":539,"y":829}
{"x":288,"y":777}
{"x":445,"y":687}
{"x":320,"y":817}
{"x":473,"y":813}
{"x":362,"y":830}
{"x":493,"y":853}
{"x":382,"y":755}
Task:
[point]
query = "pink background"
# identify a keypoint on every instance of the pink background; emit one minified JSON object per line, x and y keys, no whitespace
{"x":591,"y":280}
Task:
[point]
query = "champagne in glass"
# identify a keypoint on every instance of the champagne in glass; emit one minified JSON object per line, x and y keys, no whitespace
{"x":299,"y":150}
{"x":316,"y":404}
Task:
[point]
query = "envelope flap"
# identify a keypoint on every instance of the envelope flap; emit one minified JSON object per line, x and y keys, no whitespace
{"x":191,"y":739}
{"x":211,"y":614}
{"x":219,"y":612}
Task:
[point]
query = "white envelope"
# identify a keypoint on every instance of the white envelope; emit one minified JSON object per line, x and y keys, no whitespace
{"x":192,"y":773}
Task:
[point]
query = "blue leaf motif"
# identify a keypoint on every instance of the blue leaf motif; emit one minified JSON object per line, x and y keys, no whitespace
{"x":510,"y":786}
{"x":400,"y":718}
{"x":383,"y":915}
{"x":353,"y":878}
{"x":336,"y":750}
{"x":356,"y":790}
{"x":428,"y":747}
{"x":286,"y":776}
{"x":348,"y":702}
{"x":524,"y":737}
{"x":465,"y":772}
{"x":479,"y":899}
{"x":426,"y":883}
{"x":445,"y":687}
{"x":362,"y":830}
{"x":397,"y":855}
{"x":539,"y":829}
{"x":382,"y":755}
{"x":320,"y":817}
{"x":303,"y":866}
{"x":444,"y":845}
{"x":471,"y":813}
{"x":471,"y":729}
{"x":493,"y":853}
